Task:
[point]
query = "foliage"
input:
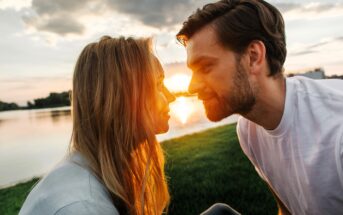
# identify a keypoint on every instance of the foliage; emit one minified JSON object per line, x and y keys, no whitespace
{"x":53,"y":100}
{"x":8,"y":106}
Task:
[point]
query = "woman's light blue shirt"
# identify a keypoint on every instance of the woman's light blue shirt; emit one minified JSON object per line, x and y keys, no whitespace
{"x":70,"y":188}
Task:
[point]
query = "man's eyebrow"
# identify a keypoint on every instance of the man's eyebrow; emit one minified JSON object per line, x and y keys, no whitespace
{"x":200,"y":60}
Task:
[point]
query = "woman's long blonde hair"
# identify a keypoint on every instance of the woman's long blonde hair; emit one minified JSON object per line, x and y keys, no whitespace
{"x":113,"y":101}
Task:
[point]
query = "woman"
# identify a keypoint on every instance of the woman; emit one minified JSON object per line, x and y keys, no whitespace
{"x":115,"y":164}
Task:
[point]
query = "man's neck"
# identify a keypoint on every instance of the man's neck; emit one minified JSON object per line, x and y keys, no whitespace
{"x":270,"y":103}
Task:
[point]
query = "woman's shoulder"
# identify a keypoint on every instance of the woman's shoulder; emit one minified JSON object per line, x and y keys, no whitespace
{"x":69,"y":186}
{"x":85,"y":207}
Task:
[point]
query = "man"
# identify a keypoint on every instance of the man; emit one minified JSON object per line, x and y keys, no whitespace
{"x":291,"y":129}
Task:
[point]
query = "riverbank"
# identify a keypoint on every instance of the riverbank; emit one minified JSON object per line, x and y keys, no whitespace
{"x":203,"y":168}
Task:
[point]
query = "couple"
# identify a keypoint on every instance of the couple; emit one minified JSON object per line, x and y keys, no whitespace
{"x":291,"y":129}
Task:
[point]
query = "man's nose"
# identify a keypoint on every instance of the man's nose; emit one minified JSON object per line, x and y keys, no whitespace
{"x":195,"y":85}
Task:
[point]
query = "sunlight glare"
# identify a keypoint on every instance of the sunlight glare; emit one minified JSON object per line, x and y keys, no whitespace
{"x":178,"y":82}
{"x":182,"y":109}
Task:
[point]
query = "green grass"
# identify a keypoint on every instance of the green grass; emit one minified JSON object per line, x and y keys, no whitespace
{"x":203,"y":168}
{"x":12,"y":198}
{"x":209,"y":167}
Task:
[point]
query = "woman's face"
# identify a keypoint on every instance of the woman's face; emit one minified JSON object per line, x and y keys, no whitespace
{"x":164,"y":98}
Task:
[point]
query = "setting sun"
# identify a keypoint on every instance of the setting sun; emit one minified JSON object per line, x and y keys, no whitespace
{"x":178,"y":82}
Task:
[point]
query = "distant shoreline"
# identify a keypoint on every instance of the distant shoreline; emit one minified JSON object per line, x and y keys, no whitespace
{"x":34,"y":108}
{"x":55,"y":100}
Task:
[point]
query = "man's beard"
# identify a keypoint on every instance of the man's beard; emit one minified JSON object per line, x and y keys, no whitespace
{"x":239,"y":100}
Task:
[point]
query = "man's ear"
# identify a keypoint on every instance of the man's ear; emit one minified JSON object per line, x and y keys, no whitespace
{"x":256,"y":53}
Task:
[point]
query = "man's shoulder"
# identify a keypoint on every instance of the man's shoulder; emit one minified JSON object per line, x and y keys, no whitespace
{"x":323,"y":89}
{"x":244,"y":126}
{"x":318,"y":101}
{"x":245,"y":130}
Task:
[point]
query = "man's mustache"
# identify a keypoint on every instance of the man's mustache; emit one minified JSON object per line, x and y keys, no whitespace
{"x":206,"y":95}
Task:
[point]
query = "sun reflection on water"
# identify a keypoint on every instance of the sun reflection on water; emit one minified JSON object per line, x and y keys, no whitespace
{"x":182,"y":109}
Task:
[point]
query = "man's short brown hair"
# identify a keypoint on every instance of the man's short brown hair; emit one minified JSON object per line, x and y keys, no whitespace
{"x":239,"y":22}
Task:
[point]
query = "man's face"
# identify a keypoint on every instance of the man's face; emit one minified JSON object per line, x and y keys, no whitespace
{"x":219,"y":77}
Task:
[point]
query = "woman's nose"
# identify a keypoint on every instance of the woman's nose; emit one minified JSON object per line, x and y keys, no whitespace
{"x":170,"y":97}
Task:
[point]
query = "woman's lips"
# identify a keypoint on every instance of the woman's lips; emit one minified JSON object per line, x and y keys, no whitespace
{"x":166,"y":113}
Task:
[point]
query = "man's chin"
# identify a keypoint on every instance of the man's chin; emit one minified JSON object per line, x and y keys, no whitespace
{"x":215,"y":111}
{"x":216,"y":116}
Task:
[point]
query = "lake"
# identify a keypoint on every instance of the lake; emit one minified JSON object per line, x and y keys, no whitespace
{"x":33,"y":141}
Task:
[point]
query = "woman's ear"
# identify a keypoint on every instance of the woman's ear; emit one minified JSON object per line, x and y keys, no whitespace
{"x":256,"y":53}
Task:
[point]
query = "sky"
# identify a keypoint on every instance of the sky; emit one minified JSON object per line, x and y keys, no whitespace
{"x":41,"y":39}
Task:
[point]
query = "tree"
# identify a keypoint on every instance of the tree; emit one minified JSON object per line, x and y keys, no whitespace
{"x":8,"y":106}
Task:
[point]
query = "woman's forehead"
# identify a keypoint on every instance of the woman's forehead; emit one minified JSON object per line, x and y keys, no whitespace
{"x":159,"y":69}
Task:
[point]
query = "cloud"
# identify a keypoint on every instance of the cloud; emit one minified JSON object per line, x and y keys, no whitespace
{"x":158,"y":13}
{"x":14,"y":4}
{"x":326,"y":54}
{"x":314,"y":48}
{"x":284,"y":7}
{"x":61,"y":25}
{"x":63,"y":17}
{"x":60,"y":17}
{"x":312,"y":7}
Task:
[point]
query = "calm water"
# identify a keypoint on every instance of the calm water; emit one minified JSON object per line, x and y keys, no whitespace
{"x":33,"y":141}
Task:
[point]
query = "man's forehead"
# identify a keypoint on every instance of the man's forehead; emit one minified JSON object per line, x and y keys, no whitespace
{"x":201,"y":44}
{"x":203,"y":38}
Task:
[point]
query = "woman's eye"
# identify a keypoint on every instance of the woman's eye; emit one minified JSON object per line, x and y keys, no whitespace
{"x":160,"y":86}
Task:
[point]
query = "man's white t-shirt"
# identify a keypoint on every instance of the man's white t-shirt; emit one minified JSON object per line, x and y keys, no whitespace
{"x":302,"y":159}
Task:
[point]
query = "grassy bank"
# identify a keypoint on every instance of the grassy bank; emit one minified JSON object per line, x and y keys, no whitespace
{"x":12,"y":198}
{"x":202,"y":168}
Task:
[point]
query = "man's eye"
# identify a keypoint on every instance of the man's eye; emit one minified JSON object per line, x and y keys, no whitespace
{"x":204,"y":70}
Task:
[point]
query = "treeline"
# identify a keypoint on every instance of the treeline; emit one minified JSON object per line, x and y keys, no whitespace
{"x":335,"y":77}
{"x":8,"y":106}
{"x":53,"y":100}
